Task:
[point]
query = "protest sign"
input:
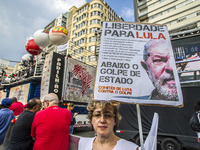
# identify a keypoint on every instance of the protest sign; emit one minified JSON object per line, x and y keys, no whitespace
{"x":136,"y":65}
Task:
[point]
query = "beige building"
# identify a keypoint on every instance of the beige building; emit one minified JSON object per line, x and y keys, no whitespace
{"x":178,"y":15}
{"x":85,"y":29}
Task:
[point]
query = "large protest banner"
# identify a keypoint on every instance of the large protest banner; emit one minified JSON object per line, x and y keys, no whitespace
{"x":79,"y":81}
{"x":136,"y":65}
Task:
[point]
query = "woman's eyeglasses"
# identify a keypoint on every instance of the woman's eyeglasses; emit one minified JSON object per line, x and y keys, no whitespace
{"x":105,"y":114}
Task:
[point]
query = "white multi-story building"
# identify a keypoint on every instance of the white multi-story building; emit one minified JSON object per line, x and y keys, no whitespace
{"x":178,"y":15}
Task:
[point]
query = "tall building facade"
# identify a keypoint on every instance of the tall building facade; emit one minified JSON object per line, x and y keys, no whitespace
{"x":178,"y":15}
{"x":85,"y":29}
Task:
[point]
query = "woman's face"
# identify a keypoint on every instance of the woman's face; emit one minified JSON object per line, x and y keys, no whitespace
{"x":71,"y":107}
{"x":103,"y":121}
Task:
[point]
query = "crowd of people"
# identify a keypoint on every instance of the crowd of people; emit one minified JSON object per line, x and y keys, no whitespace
{"x":44,"y":125}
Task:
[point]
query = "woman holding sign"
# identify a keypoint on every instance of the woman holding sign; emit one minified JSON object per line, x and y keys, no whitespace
{"x":104,"y":118}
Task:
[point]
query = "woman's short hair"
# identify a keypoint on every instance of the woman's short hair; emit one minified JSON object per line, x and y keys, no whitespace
{"x":70,"y":104}
{"x":93,"y":105}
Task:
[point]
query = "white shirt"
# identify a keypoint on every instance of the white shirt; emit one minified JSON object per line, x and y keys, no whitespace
{"x":198,"y":116}
{"x":87,"y":144}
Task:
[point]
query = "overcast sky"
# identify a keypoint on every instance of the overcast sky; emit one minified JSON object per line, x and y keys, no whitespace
{"x":19,"y":19}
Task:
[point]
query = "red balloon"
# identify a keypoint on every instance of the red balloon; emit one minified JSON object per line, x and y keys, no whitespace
{"x":33,"y":48}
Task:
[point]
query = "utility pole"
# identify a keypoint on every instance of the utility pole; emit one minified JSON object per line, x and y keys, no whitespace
{"x":135,"y":6}
{"x":97,"y":45}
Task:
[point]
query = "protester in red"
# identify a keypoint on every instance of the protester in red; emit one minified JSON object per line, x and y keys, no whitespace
{"x":50,"y":128}
{"x":16,"y":107}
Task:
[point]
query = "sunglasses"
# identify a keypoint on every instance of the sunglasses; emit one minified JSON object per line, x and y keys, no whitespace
{"x":107,"y":115}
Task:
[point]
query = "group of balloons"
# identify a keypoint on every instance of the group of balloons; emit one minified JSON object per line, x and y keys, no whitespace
{"x":57,"y":35}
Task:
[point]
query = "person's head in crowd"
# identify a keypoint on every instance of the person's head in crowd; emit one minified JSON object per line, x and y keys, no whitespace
{"x":34,"y":105}
{"x":25,"y":106}
{"x":104,"y":117}
{"x":14,"y":99}
{"x":70,"y":106}
{"x":158,"y":65}
{"x":50,"y":99}
{"x":197,"y":106}
{"x":6,"y":102}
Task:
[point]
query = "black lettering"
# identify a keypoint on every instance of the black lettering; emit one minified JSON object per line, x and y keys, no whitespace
{"x":107,"y":32}
{"x":146,"y":28}
{"x":138,"y":27}
{"x":130,"y":34}
{"x":135,"y":66}
{"x":154,"y":28}
{"x":115,"y":33}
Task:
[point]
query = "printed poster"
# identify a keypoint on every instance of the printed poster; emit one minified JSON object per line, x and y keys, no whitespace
{"x":136,"y":65}
{"x":2,"y":95}
{"x":79,"y":81}
{"x":20,"y":92}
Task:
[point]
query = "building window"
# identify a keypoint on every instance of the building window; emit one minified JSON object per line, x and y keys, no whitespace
{"x":82,"y":58}
{"x":181,"y":19}
{"x":96,"y":13}
{"x":82,"y":9}
{"x":91,"y":58}
{"x":84,"y":31}
{"x":96,"y":5}
{"x":94,"y":29}
{"x":95,"y":21}
{"x":81,"y":17}
{"x":82,"y":40}
{"x":92,"y":39}
{"x":91,"y":48}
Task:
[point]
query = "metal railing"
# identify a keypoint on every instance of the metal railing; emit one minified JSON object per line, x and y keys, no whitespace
{"x":188,"y":75}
